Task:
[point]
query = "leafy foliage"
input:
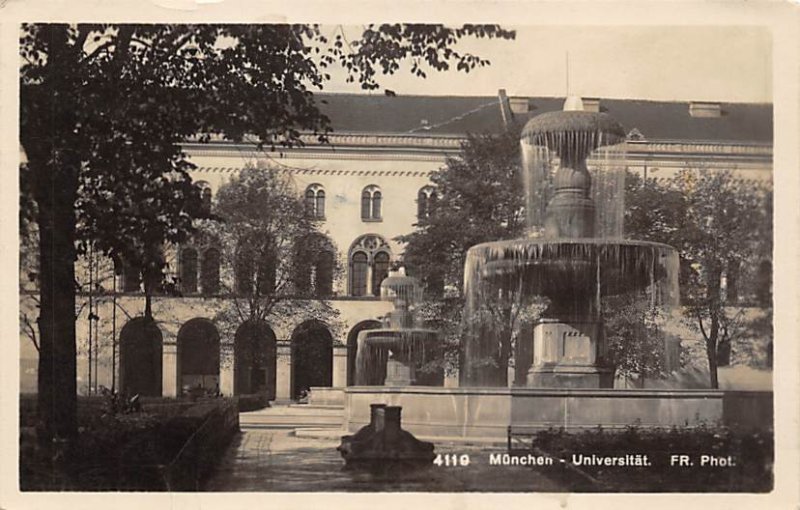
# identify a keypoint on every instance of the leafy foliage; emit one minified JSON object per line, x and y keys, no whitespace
{"x":634,"y":338}
{"x":722,"y":228}
{"x":104,"y":109}
{"x":479,"y":199}
{"x":445,"y":317}
{"x":267,"y":241}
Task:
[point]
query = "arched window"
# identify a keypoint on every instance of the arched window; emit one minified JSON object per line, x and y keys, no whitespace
{"x":266,"y":271}
{"x":209,"y":271}
{"x":358,"y":274}
{"x":206,"y":198}
{"x":205,"y":195}
{"x":366,"y":205}
{"x":243,"y":273}
{"x":131,"y":278}
{"x":323,"y":274}
{"x":371,"y":199}
{"x":188,"y":262}
{"x":370,"y":258}
{"x":376,"y":205}
{"x":313,"y":266}
{"x":315,"y":201}
{"x":255,"y":268}
{"x":426,"y":201}
{"x":380,"y":271}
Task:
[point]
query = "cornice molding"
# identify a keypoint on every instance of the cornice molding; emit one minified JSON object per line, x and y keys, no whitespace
{"x":319,"y":171}
{"x":405,"y":147}
{"x":357,"y":142}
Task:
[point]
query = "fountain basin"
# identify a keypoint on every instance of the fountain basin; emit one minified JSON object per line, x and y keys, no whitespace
{"x":390,"y":355}
{"x":487,"y":413}
{"x":585,"y":265}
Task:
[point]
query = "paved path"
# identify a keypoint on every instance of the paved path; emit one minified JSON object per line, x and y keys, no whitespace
{"x":263,"y":459}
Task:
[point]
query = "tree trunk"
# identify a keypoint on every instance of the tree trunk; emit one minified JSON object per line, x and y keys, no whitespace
{"x":47,"y":133}
{"x":712,"y":369}
{"x":714,"y":300}
{"x":148,"y":302}
{"x":57,"y":400}
{"x":723,"y":353}
{"x":505,"y":356}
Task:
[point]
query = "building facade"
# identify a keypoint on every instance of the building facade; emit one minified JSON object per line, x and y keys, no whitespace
{"x":366,"y":187}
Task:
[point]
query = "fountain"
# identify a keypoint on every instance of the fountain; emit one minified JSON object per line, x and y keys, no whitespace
{"x":573,"y":258}
{"x":393,"y":356}
{"x":400,"y":353}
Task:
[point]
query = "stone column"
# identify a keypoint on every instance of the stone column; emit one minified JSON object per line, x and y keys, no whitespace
{"x":170,"y":385}
{"x":226,"y":369}
{"x":283,"y":376}
{"x":339,"y":366}
{"x":451,"y":381}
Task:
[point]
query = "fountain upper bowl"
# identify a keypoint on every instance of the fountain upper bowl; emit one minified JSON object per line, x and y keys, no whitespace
{"x":601,"y":128}
{"x":550,"y":266}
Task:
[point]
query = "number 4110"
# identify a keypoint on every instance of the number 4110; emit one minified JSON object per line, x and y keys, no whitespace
{"x":452,"y":460}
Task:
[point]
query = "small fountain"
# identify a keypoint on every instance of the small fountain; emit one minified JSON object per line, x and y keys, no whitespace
{"x":574,"y":255}
{"x":393,"y":356}
{"x":400,"y":353}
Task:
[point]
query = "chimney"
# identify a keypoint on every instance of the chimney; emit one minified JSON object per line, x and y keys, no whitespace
{"x":705,"y":109}
{"x":520,"y":104}
{"x":591,"y":104}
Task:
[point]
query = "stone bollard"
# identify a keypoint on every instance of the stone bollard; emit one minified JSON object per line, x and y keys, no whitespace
{"x":379,"y":419}
{"x":391,"y":415}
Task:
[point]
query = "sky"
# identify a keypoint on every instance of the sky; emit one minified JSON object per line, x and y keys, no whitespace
{"x":690,"y":63}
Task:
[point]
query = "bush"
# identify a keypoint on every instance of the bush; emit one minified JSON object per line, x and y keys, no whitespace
{"x":252,"y":402}
{"x":119,"y":451}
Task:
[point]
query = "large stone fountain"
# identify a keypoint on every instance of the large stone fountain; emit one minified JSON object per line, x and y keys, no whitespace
{"x":573,"y":259}
{"x":565,"y":259}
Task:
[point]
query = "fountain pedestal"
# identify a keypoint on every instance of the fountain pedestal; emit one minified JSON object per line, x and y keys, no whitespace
{"x":566,"y":356}
{"x":398,"y":373}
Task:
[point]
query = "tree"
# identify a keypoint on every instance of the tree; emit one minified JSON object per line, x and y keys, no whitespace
{"x":104,"y":109}
{"x":635,"y":342}
{"x":722,"y":228}
{"x":728,"y":227}
{"x":479,"y":199}
{"x":282,"y":266}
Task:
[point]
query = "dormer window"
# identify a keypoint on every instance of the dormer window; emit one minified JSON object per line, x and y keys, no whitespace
{"x":371,"y":203}
{"x":705,"y":110}
{"x":315,"y":201}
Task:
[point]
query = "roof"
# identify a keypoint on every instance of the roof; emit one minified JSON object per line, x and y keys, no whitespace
{"x":459,"y":115}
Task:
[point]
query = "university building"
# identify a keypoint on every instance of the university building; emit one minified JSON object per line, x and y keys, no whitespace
{"x":367,"y":186}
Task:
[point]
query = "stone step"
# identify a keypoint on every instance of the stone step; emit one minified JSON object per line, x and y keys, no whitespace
{"x":290,"y":426}
{"x":296,"y":411}
{"x":293,"y":417}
